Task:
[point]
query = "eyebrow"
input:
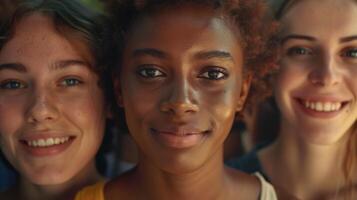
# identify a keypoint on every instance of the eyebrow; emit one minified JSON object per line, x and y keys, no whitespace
{"x":60,"y":65}
{"x":13,"y":66}
{"x":297,"y":37}
{"x":348,"y":39}
{"x":149,"y":51}
{"x":213,"y":54}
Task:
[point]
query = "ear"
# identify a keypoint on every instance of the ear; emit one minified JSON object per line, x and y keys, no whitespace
{"x":117,"y":92}
{"x":244,"y":92}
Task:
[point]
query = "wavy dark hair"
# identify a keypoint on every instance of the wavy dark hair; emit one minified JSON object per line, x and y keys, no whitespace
{"x":250,"y":17}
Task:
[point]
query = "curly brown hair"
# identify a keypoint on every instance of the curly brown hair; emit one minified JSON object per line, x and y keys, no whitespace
{"x":251,"y":18}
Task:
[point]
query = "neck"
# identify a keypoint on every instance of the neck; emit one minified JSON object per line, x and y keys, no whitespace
{"x":27,"y":190}
{"x":306,"y":168}
{"x":208,"y":181}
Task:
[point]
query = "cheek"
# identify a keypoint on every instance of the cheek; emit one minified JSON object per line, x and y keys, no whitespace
{"x":11,"y":120}
{"x":290,"y":77}
{"x":139,"y":101}
{"x":86,"y":110}
{"x":12,"y":114}
{"x":222,"y":105}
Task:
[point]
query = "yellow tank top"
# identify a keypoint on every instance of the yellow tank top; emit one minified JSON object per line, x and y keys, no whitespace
{"x":92,"y":192}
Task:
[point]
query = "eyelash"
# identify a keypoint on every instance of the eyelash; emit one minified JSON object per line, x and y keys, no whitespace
{"x":148,"y":71}
{"x":9,"y":85}
{"x":211,"y":73}
{"x":68,"y":82}
{"x":350,"y":53}
{"x":219,"y":73}
{"x":299,"y":51}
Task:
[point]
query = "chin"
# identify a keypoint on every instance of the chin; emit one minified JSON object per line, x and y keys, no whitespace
{"x":180,"y":166}
{"x":48,"y":177}
{"x":321,"y":137}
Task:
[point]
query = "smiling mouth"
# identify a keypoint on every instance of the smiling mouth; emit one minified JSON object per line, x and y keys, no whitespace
{"x":48,"y":142}
{"x":179,"y":139}
{"x":323,"y":106}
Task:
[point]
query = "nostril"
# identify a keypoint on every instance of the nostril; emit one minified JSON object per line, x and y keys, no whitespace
{"x":179,"y":108}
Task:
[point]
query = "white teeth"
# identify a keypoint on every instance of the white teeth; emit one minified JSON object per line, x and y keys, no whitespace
{"x":47,"y":142}
{"x":323,"y":106}
{"x":57,"y":141}
{"x":319,"y":106}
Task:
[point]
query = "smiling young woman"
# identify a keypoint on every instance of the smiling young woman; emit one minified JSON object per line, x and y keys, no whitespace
{"x":316,"y":94}
{"x":52,"y":103}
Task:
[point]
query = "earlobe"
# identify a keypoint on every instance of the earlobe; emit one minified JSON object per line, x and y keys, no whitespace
{"x":244,"y":92}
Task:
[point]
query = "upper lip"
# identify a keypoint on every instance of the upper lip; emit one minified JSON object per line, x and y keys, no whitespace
{"x":322,"y":99}
{"x":44,"y":134}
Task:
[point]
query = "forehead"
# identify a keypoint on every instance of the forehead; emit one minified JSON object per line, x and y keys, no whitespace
{"x":323,"y":17}
{"x":183,"y":27}
{"x":36,"y":38}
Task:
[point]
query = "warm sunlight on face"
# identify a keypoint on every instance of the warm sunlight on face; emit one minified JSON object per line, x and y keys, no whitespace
{"x":316,"y":90}
{"x":52,"y":111}
{"x":181,"y":85}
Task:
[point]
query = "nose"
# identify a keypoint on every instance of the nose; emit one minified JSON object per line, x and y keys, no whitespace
{"x":180,"y":100}
{"x":325,"y":74}
{"x":41,"y":107}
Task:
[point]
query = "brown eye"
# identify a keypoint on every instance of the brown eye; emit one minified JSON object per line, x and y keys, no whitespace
{"x":150,"y":72}
{"x":215,"y":73}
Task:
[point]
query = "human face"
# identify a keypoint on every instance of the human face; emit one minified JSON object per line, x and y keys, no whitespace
{"x":180,"y":85}
{"x":316,"y":89}
{"x":52,"y":111}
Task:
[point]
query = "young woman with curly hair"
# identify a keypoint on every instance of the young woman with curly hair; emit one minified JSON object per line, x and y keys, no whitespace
{"x":184,"y":71}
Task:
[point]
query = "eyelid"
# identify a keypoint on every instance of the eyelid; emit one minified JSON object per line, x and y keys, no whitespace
{"x":214,"y":69}
{"x":292,"y":50}
{"x":143,"y":67}
{"x":63,"y":79}
{"x":349,"y":49}
{"x":7,"y":81}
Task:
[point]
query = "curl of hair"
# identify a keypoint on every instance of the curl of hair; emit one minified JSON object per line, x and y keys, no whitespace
{"x":251,"y":18}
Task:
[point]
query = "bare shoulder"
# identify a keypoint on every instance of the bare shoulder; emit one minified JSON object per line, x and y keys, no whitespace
{"x":283,"y":194}
{"x":245,"y":186}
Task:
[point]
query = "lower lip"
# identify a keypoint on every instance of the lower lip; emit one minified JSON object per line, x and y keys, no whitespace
{"x":178,"y":141}
{"x":319,"y":114}
{"x":47,"y":151}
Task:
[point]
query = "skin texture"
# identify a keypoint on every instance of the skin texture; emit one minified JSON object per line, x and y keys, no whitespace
{"x":50,"y":91}
{"x":318,"y":63}
{"x":181,"y":75}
